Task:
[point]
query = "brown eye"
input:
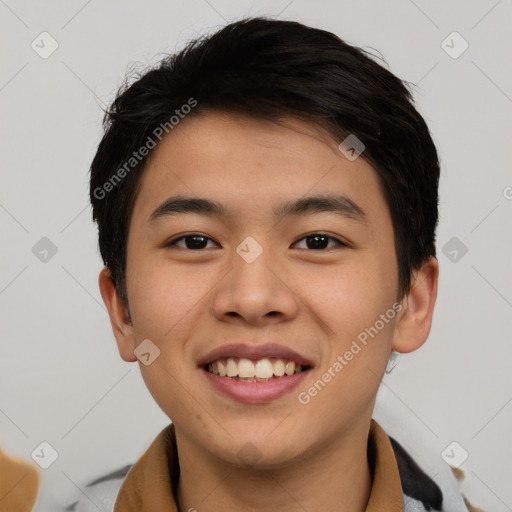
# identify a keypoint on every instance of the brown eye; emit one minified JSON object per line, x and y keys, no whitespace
{"x":319,"y":241}
{"x":194,"y":241}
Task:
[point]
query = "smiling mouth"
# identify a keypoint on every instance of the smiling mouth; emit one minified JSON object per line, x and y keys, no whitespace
{"x":260,"y":370}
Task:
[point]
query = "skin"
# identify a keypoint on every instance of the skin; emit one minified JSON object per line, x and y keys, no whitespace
{"x":189,"y":301}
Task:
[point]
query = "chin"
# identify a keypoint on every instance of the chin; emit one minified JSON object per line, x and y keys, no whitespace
{"x":251,"y":457}
{"x":257,"y":451}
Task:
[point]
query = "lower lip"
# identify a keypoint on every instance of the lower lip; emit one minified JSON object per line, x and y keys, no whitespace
{"x":255,"y":392}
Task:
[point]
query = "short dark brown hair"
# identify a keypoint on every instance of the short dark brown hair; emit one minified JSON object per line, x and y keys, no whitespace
{"x":270,"y":69}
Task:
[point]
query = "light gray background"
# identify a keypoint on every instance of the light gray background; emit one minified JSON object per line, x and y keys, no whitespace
{"x":61,"y":378}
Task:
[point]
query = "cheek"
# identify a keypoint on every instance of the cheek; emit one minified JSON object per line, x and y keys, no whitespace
{"x":166,"y":382}
{"x":164,"y":302}
{"x":162,"y":295}
{"x":350,"y":305}
{"x":349,"y":297}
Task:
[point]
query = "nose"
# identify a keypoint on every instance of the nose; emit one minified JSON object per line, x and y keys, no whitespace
{"x":256,"y":292}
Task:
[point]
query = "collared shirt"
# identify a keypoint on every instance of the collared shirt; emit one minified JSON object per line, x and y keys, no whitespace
{"x":151,"y":483}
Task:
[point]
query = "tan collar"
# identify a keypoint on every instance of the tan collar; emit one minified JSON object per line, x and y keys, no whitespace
{"x":152,"y":481}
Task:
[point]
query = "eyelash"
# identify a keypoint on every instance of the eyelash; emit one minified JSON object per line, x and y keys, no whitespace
{"x":191,"y":235}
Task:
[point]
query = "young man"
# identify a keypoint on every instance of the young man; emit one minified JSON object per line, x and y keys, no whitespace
{"x":267,"y":203}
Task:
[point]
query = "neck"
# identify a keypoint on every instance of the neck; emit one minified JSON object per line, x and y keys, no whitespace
{"x":332,"y":478}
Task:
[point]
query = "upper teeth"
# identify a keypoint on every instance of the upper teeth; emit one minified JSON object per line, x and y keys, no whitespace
{"x":247,"y":369}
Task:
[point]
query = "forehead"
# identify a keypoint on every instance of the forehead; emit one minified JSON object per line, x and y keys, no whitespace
{"x":251,"y":165}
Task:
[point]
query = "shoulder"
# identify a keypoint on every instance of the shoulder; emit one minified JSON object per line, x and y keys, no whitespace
{"x":102,"y":491}
{"x":428,"y":482}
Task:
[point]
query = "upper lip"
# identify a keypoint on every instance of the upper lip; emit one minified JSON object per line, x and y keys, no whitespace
{"x":253,"y":352}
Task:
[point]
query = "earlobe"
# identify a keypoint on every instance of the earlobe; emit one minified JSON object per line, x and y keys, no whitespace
{"x":415,"y":319}
{"x":119,"y":318}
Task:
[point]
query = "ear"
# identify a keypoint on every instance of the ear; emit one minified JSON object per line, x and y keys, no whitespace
{"x":415,"y":318}
{"x":119,"y":319}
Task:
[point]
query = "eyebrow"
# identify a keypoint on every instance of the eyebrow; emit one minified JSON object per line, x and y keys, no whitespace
{"x":338,"y":204}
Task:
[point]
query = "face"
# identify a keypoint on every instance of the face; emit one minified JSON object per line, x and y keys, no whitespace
{"x":301,"y":287}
